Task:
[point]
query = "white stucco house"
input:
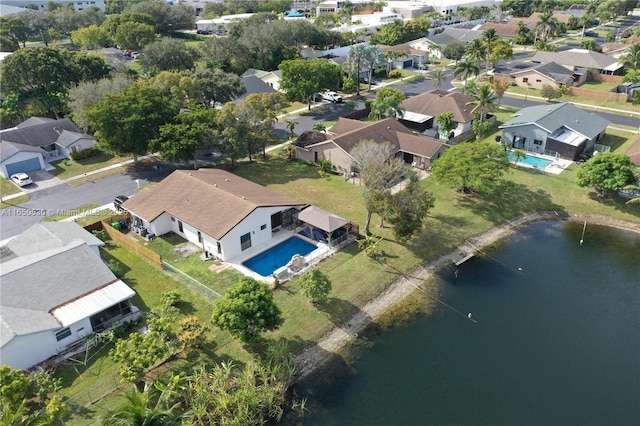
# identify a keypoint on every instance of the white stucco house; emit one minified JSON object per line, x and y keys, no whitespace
{"x":33,"y":143}
{"x":223,"y":213}
{"x":56,"y":291}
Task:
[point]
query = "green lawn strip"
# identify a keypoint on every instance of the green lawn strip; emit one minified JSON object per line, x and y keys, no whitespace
{"x":7,"y":187}
{"x":15,"y":201}
{"x":66,"y":168}
{"x":75,"y":212}
{"x":604,"y":86}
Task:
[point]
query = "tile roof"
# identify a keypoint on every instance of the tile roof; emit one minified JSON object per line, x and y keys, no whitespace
{"x":212,"y":200}
{"x":553,"y":117}
{"x":435,"y":102}
{"x":502,"y":28}
{"x":577,"y":57}
{"x":634,"y":153}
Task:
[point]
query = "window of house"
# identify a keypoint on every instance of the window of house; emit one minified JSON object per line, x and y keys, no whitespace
{"x":199,"y":237}
{"x":525,"y":79}
{"x":63,"y":333}
{"x":219,"y":246}
{"x":180,"y":228}
{"x":173,"y":219}
{"x":263,"y":227}
{"x":538,"y":81}
{"x":245,"y":241}
{"x":537,"y":142}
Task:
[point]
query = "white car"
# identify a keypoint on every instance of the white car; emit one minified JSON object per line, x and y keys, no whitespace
{"x":332,"y":97}
{"x":21,"y":179}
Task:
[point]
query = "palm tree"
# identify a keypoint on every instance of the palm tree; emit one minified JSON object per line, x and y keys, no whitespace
{"x":546,"y":25}
{"x":140,"y":410}
{"x":437,"y":78}
{"x":291,"y":125}
{"x":466,"y":69}
{"x":585,"y":20}
{"x":589,"y":44}
{"x":475,"y":51}
{"x":445,"y":124}
{"x":484,"y":99}
{"x":636,"y":189}
{"x":489,"y":36}
{"x":632,"y":57}
{"x":544,"y":46}
{"x":355,"y":59}
{"x":320,"y":127}
{"x":392,"y":55}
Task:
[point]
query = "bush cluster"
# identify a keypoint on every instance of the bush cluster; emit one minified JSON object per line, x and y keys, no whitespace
{"x":89,"y":152}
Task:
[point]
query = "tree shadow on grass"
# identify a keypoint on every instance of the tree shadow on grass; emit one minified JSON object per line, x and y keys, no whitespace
{"x":508,"y":200}
{"x":616,"y":202}
{"x":341,"y":312}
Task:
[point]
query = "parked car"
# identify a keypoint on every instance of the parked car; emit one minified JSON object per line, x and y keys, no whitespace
{"x":21,"y":179}
{"x":118,"y":201}
{"x":318,"y":97}
{"x":332,"y":97}
{"x":591,"y":34}
{"x":203,"y":32}
{"x":365,"y":80}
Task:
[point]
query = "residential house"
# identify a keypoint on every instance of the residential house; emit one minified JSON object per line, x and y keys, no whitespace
{"x":506,"y":30}
{"x":218,"y":211}
{"x":219,"y":26}
{"x":536,"y":75}
{"x":581,"y":60}
{"x":561,"y":130}
{"x":438,"y":42}
{"x":253,"y":85}
{"x":34,"y":142}
{"x":532,"y":20}
{"x":56,"y":291}
{"x":420,"y":111}
{"x":415,"y":58}
{"x":41,"y":5}
{"x":418,"y":151}
{"x":272,"y":78}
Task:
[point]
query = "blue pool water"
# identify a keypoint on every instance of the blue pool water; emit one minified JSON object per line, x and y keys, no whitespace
{"x":530,"y":160}
{"x":277,"y":256}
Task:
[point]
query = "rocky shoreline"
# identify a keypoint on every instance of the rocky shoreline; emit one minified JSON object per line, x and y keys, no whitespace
{"x":330,"y":344}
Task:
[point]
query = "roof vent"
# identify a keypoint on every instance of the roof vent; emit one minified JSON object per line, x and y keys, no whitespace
{"x":190,"y":174}
{"x":243,"y":197}
{"x":215,"y":184}
{"x":388,"y":127}
{"x":226,"y":180}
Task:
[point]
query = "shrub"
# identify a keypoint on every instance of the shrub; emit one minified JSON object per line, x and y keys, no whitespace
{"x":90,"y":152}
{"x":100,"y":234}
{"x":395,"y":74}
{"x":325,"y":166}
{"x":116,"y":267}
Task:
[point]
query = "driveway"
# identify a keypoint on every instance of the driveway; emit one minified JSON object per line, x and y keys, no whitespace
{"x":41,"y":179}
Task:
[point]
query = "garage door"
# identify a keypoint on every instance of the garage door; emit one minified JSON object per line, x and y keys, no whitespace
{"x":25,"y":166}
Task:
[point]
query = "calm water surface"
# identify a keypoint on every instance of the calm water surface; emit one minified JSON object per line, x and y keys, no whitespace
{"x":555,"y":344}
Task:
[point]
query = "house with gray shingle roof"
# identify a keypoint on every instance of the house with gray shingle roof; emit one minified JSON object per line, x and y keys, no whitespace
{"x":224,"y":214}
{"x":582,"y":59}
{"x":448,"y":36}
{"x":420,"y":111}
{"x":536,"y":75}
{"x":31,"y":144}
{"x":559,"y":129}
{"x":415,"y":150}
{"x":56,"y":291}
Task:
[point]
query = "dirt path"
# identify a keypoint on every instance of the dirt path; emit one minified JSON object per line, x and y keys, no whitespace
{"x":316,"y":356}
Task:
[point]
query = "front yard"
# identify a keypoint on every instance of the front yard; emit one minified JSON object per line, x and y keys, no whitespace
{"x":69,"y":168}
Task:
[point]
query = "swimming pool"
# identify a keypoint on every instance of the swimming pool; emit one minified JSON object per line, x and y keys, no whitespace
{"x":530,"y":160}
{"x":277,"y":256}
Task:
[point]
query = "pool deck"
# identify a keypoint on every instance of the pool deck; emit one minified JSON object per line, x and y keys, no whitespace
{"x":285,"y":272}
{"x":557,"y":166}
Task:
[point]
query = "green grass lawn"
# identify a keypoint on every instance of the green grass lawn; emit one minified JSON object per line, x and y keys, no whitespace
{"x":68,"y":168}
{"x":604,"y":86}
{"x":14,"y":201}
{"x":7,"y":187}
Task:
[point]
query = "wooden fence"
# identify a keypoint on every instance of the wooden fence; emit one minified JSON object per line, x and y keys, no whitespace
{"x":131,"y":244}
{"x":599,"y":94}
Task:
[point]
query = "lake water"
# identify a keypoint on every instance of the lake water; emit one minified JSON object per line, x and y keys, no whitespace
{"x":557,"y":343}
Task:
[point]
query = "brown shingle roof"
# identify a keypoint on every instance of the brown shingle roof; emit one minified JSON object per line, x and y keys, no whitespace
{"x":435,"y":102}
{"x":212,"y":200}
{"x":345,"y":125}
{"x":404,"y":47}
{"x":502,"y":29}
{"x":389,"y":130}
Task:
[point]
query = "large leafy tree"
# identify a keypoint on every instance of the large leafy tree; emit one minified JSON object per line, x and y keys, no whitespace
{"x":378,"y":169}
{"x":260,"y":111}
{"x":454,"y":50}
{"x":126,"y":122}
{"x":134,"y":35}
{"x":315,"y":285}
{"x":301,"y":78}
{"x":38,"y":24}
{"x":234,"y":135}
{"x":168,"y":54}
{"x":471,"y":167}
{"x":166,"y":18}
{"x":217,"y":86}
{"x":91,"y":37}
{"x":387,"y":103}
{"x":185,"y":89}
{"x":86,"y":94}
{"x":226,"y":54}
{"x":15,"y":29}
{"x":114,"y":21}
{"x":46,"y":74}
{"x":500,"y":49}
{"x":246,"y":310}
{"x":187,"y":134}
{"x":607,"y":172}
{"x":409,"y":208}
